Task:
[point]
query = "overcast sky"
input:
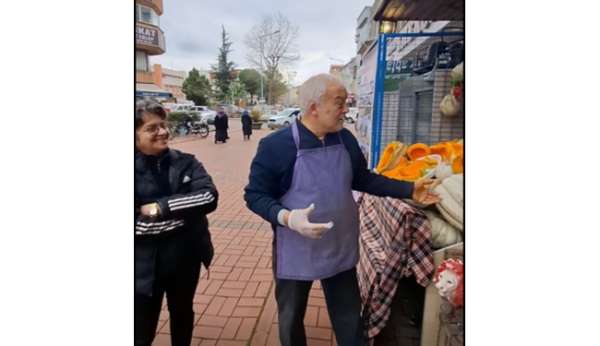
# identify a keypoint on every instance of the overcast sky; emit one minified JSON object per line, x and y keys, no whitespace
{"x":193,"y":27}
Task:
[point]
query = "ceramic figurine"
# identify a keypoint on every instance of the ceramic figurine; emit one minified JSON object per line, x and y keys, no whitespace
{"x":449,"y":280}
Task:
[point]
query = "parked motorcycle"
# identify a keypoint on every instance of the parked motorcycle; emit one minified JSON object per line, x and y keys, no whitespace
{"x":200,"y":129}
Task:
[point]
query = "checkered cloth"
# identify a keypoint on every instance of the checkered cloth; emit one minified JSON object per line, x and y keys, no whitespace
{"x":395,"y":242}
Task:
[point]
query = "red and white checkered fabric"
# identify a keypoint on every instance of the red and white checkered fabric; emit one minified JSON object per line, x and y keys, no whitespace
{"x":395,"y":242}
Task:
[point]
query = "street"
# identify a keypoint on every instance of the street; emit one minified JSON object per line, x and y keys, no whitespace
{"x":236,"y":304}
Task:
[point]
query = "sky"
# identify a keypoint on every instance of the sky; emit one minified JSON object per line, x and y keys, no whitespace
{"x":193,"y":31}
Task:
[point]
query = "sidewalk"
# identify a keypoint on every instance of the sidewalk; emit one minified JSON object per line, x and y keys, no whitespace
{"x":236,"y":305}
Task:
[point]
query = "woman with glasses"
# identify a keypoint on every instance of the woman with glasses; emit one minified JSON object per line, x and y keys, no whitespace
{"x":173,"y":195}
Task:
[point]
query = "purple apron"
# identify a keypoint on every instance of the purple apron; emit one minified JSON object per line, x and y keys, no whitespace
{"x":322,"y":176}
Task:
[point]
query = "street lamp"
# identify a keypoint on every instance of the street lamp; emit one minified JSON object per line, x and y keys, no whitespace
{"x":262,"y":97}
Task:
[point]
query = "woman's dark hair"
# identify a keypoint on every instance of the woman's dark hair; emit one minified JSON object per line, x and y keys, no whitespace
{"x":148,"y":106}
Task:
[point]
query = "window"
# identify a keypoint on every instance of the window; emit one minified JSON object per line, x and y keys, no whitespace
{"x":141,"y":60}
{"x":147,"y":15}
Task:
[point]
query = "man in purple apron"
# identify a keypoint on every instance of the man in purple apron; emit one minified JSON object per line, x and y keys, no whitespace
{"x":301,"y":180}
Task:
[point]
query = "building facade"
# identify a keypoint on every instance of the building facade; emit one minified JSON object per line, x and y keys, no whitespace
{"x":347,"y":75}
{"x":149,"y":40}
{"x":172,"y":81}
{"x":366,"y":30}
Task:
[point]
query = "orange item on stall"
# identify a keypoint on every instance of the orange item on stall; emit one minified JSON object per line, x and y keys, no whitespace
{"x":417,"y":150}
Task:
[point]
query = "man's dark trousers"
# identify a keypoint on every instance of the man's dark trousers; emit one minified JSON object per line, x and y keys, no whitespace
{"x":343,"y":304}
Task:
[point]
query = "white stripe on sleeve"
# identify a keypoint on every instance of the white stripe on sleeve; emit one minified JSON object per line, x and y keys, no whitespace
{"x":194,"y":203}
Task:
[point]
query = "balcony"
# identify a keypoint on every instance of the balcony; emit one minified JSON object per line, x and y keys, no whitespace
{"x":149,"y":38}
{"x":156,"y":5}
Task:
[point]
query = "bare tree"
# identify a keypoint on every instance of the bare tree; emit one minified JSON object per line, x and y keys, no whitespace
{"x":272,"y":44}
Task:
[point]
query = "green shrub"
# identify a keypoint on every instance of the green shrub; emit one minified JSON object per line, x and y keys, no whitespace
{"x":255,"y":114}
{"x":176,"y":117}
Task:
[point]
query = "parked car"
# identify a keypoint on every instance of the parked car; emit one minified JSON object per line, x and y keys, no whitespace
{"x":178,"y":107}
{"x":204,"y":113}
{"x":283,"y":118}
{"x":198,"y":109}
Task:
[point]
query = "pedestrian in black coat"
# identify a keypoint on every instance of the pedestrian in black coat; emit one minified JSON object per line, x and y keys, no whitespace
{"x":221,"y":126}
{"x":173,"y":195}
{"x":246,"y":125}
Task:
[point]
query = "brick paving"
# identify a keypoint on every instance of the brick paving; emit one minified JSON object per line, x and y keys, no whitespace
{"x":235,"y":304}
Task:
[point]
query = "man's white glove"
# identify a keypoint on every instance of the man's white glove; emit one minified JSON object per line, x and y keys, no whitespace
{"x":298,"y":221}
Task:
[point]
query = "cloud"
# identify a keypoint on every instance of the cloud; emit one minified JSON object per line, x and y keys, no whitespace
{"x":193,"y":31}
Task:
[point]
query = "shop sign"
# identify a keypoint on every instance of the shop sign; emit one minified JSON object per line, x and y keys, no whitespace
{"x":147,"y":36}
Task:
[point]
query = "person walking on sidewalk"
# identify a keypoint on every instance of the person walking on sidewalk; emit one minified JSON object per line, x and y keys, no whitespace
{"x":305,"y":173}
{"x":246,"y":124}
{"x":221,"y":126}
{"x":173,"y":194}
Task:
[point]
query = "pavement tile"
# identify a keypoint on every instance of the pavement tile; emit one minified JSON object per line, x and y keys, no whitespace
{"x":311,"y":316}
{"x":164,"y":315}
{"x":246,"y":274}
{"x":262,"y":277}
{"x":241,"y":264}
{"x":231,"y":328}
{"x":199,"y":308}
{"x":262,"y":271}
{"x":250,"y":289}
{"x":246,"y":328}
{"x":233,"y":252}
{"x":317,"y":302}
{"x":230,"y":343}
{"x":228,"y":307}
{"x":207,"y":332}
{"x":164,"y":327}
{"x":316,"y":292}
{"x":230,"y":292}
{"x":212,"y":321}
{"x":215,"y":306}
{"x":162,"y":340}
{"x":249,"y":251}
{"x":245,"y":241}
{"x":219,"y":269}
{"x":202,"y":299}
{"x":273,"y":339}
{"x":318,"y":333}
{"x":263,"y":288}
{"x":246,"y":312}
{"x":324,"y":321}
{"x":232,"y":260}
{"x":219,"y":261}
{"x":256,"y":302}
{"x":317,"y":342}
{"x":205,"y":342}
{"x":213,"y":287}
{"x":235,"y":274}
{"x":236,"y":247}
{"x":234,"y":284}
{"x":249,"y":259}
{"x":218,"y":276}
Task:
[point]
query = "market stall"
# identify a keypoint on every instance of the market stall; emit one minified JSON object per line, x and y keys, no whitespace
{"x":399,"y":240}
{"x":411,"y":126}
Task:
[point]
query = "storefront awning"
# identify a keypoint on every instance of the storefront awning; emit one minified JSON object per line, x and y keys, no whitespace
{"x":395,"y":10}
{"x":150,"y":90}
